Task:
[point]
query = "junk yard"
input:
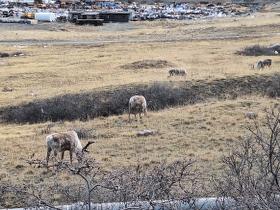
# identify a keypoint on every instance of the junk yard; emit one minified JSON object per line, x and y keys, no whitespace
{"x":139,"y":104}
{"x":99,"y":12}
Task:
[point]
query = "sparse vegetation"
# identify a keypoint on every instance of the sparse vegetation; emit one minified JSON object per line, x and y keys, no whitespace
{"x":77,"y":78}
{"x":131,"y":185}
{"x":159,"y":96}
{"x":252,"y":170}
{"x":147,"y":64}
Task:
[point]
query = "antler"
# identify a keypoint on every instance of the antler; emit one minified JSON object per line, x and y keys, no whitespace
{"x":85,"y":147}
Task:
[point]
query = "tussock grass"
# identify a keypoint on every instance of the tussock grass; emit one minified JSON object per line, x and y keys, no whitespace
{"x":147,"y":64}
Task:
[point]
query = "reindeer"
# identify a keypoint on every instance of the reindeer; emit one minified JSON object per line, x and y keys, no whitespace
{"x":177,"y":72}
{"x":262,"y":64}
{"x":137,"y":104}
{"x":267,"y":62}
{"x":259,"y":65}
{"x":60,"y":142}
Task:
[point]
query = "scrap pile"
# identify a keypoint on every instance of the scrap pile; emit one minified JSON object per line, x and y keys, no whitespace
{"x":184,"y":11}
{"x":99,"y":11}
{"x":24,"y":13}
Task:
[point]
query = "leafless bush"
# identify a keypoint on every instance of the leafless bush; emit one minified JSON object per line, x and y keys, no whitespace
{"x":91,"y":179}
{"x":252,"y":171}
{"x":133,"y":185}
{"x":257,"y":50}
{"x":159,"y":95}
{"x":35,"y":194}
{"x":274,"y":89}
{"x":174,"y":181}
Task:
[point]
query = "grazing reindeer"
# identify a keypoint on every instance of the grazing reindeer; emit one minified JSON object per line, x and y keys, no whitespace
{"x":262,"y":64}
{"x":137,"y":105}
{"x":259,"y":65}
{"x":177,"y":72}
{"x":267,"y":62}
{"x":60,"y":142}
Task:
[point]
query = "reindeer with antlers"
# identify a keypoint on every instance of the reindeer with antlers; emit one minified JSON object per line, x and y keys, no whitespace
{"x":60,"y":142}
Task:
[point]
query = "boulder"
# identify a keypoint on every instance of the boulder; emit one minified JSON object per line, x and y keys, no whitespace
{"x":146,"y":133}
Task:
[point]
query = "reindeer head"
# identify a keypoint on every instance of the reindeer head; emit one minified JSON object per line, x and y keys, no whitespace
{"x":85,"y":147}
{"x":81,"y":153}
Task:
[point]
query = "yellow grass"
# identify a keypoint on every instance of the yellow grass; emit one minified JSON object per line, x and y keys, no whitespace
{"x":142,"y":30}
{"x":205,"y":131}
{"x":54,"y":70}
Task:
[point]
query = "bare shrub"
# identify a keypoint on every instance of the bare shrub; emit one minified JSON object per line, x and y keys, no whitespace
{"x":257,"y":50}
{"x":90,"y":181}
{"x":252,"y":171}
{"x":33,"y":194}
{"x":174,"y":181}
{"x":133,"y":185}
{"x":159,"y":95}
{"x":274,"y":89}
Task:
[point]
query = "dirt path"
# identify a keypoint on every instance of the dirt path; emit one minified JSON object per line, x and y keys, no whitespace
{"x":30,"y":42}
{"x":165,"y":31}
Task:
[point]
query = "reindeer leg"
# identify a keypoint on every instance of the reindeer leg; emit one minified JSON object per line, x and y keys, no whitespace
{"x":48,"y":155}
{"x":62,"y":155}
{"x":55,"y":154}
{"x":145,"y":112}
{"x":71,"y":156}
{"x":129,"y":110}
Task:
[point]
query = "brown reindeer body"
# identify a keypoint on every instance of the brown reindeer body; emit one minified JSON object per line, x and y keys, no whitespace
{"x":262,"y":64}
{"x":65,"y":141}
{"x":267,"y":62}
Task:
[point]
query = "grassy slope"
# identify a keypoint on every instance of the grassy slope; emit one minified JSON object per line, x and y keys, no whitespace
{"x":205,"y":131}
{"x":53,"y":70}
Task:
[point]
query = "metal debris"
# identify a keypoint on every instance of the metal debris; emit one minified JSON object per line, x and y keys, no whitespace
{"x":52,"y":11}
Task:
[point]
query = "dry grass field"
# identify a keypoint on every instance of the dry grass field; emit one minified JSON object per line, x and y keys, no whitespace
{"x":49,"y":70}
{"x":62,"y":59}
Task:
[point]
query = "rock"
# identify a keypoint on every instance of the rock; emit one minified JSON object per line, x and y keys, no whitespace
{"x":251,"y":115}
{"x":15,"y":54}
{"x":146,"y":133}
